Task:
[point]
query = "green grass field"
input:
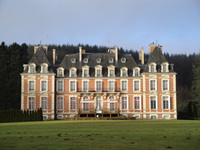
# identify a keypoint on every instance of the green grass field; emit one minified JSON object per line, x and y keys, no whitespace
{"x":123,"y":134}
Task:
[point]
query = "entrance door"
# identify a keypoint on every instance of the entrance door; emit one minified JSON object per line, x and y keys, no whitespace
{"x":98,"y":105}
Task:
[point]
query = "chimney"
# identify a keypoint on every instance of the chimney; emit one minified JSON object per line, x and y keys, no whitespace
{"x":54,"y":56}
{"x":141,"y":55}
{"x":80,"y":53}
{"x":151,"y":48}
{"x":35,"y":48}
{"x":160,"y":47}
{"x":116,"y":53}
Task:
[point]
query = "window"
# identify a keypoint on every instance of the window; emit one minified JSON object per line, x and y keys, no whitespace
{"x":86,"y":106}
{"x":73,"y":60}
{"x":152,"y":85}
{"x":137,"y":102}
{"x":73,"y":73}
{"x":153,"y":117}
{"x":85,"y":86}
{"x":136,"y":85}
{"x":31,"y":103}
{"x":60,"y":86}
{"x":123,"y":60}
{"x":72,"y":103}
{"x":32,"y":69}
{"x":60,"y":103}
{"x":111,"y":60}
{"x":165,"y":85}
{"x":112,"y":74}
{"x":44,"y":103}
{"x":86,"y":72}
{"x":98,"y":103}
{"x":136,"y":72}
{"x":111,"y":86}
{"x":112,"y":105}
{"x":85,"y":60}
{"x":44,"y":85}
{"x":31,"y":85}
{"x":72,"y":86}
{"x":164,"y":68}
{"x":153,"y":102}
{"x":98,"y":72}
{"x":98,"y":86}
{"x":124,"y":72}
{"x":124,"y":86}
{"x":98,"y":60}
{"x":124,"y":102}
{"x":60,"y":73}
{"x":152,"y":68}
{"x":166,"y":102}
{"x":44,"y":69}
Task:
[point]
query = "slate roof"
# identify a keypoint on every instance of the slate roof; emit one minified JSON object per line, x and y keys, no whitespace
{"x":92,"y":62}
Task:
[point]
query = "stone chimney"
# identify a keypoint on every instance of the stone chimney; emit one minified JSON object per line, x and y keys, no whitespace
{"x":54,"y":56}
{"x":151,"y":47}
{"x":80,"y":53}
{"x":141,"y":55}
{"x":116,"y":53}
{"x":35,"y":48}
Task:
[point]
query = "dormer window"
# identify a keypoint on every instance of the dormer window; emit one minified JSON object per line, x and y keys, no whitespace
{"x":85,"y":71}
{"x":98,"y":71}
{"x":44,"y":68}
{"x":72,"y":72}
{"x":152,"y":67}
{"x":124,"y":72}
{"x":123,"y":60}
{"x":136,"y":72}
{"x":60,"y":72}
{"x":111,"y":71}
{"x":32,"y":68}
{"x":73,"y":60}
{"x":98,"y":60}
{"x":85,"y":60}
{"x":164,"y":67}
{"x":111,"y":60}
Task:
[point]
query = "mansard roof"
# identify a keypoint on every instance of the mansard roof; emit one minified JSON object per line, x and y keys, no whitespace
{"x":92,"y":62}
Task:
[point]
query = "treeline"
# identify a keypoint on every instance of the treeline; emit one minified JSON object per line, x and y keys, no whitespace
{"x":13,"y":57}
{"x":15,"y":115}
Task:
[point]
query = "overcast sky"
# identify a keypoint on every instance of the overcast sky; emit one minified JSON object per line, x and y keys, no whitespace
{"x":130,"y":24}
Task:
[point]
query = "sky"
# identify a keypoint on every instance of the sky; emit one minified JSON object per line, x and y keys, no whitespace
{"x":131,"y":24}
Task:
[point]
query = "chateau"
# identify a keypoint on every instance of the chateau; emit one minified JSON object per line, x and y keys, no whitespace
{"x":99,"y":85}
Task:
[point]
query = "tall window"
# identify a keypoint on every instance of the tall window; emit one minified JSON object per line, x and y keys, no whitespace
{"x":31,"y":103}
{"x":73,"y":73}
{"x":32,"y":69}
{"x":124,"y":102}
{"x":166,"y":102}
{"x":124,"y":72}
{"x":152,"y":85}
{"x":152,"y":68}
{"x":86,"y":106}
{"x":60,"y":86}
{"x":98,"y":72}
{"x":44,"y":69}
{"x":72,"y":86}
{"x":137,"y":102}
{"x":153,"y":102}
{"x":31,"y":85}
{"x":98,"y":86}
{"x":164,"y":68}
{"x":44,"y":85}
{"x":60,"y":73}
{"x":60,"y":103}
{"x":111,"y":86}
{"x":124,"y":85}
{"x":136,"y":85}
{"x":72,"y":103}
{"x":112,"y":104}
{"x":85,"y":86}
{"x":112,"y":74}
{"x":44,"y":103}
{"x":86,"y":73}
{"x":136,"y":72}
{"x":165,"y":85}
{"x":98,"y":103}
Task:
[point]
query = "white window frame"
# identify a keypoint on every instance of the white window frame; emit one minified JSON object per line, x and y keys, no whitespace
{"x":62,"y":86}
{"x":71,"y":72}
{"x":109,"y":69}
{"x":134,"y":71}
{"x":134,"y":107}
{"x":167,"y":67}
{"x":112,"y":102}
{"x":156,"y":102}
{"x":42,"y":68}
{"x":98,"y":68}
{"x":121,"y":71}
{"x":33,"y":105}
{"x":85,"y":103}
{"x":87,"y":69}
{"x":167,"y":85}
{"x":155,"y":85}
{"x":154,"y":67}
{"x":122,"y":108}
{"x":60,"y":107}
{"x":168,"y":99}
{"x":126,"y":90}
{"x":70,"y":105}
{"x":60,"y":69}
{"x":134,"y":85}
{"x":34,"y":68}
{"x":72,"y":89}
{"x":45,"y":101}
{"x":41,"y":85}
{"x":87,"y":87}
{"x":31,"y":87}
{"x":112,"y":88}
{"x":96,"y":88}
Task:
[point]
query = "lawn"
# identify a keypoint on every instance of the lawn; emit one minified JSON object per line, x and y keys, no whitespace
{"x":102,"y":134}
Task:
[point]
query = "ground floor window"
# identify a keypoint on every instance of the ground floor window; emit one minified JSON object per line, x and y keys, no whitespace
{"x":112,"y":105}
{"x":137,"y":102}
{"x":124,"y":102}
{"x":44,"y":103}
{"x":31,"y":103}
{"x":72,"y":103}
{"x":86,"y":106}
{"x":165,"y":102}
{"x":60,"y":103}
{"x":153,"y":102}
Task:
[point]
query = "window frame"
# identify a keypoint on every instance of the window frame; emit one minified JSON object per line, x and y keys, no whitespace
{"x":62,"y":89}
{"x":60,"y":103}
{"x":32,"y":68}
{"x":87,"y":86}
{"x":168,"y":102}
{"x":134,"y":85}
{"x":60,"y":72}
{"x":111,"y":68}
{"x":110,"y":88}
{"x":41,"y":85}
{"x":163,"y":85}
{"x":97,"y":85}
{"x":156,"y":102}
{"x":126,"y":104}
{"x":152,"y":67}
{"x":150,"y":86}
{"x":44,"y":99}
{"x":31,"y":85}
{"x":31,"y":103}
{"x":122,"y":86}
{"x":138,"y":101}
{"x":85,"y":68}
{"x":72,"y":89}
{"x":73,"y":102}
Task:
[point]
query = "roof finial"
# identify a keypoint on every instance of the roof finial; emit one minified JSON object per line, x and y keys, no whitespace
{"x":40,"y":42}
{"x":156,"y":42}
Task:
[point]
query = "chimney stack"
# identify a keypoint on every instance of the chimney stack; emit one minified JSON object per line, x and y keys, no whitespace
{"x":116,"y":53}
{"x":151,"y":48}
{"x":54,"y":56}
{"x":141,"y":55}
{"x":80,"y":53}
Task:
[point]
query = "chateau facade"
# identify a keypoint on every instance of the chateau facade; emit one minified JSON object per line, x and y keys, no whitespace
{"x":100,"y":85}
